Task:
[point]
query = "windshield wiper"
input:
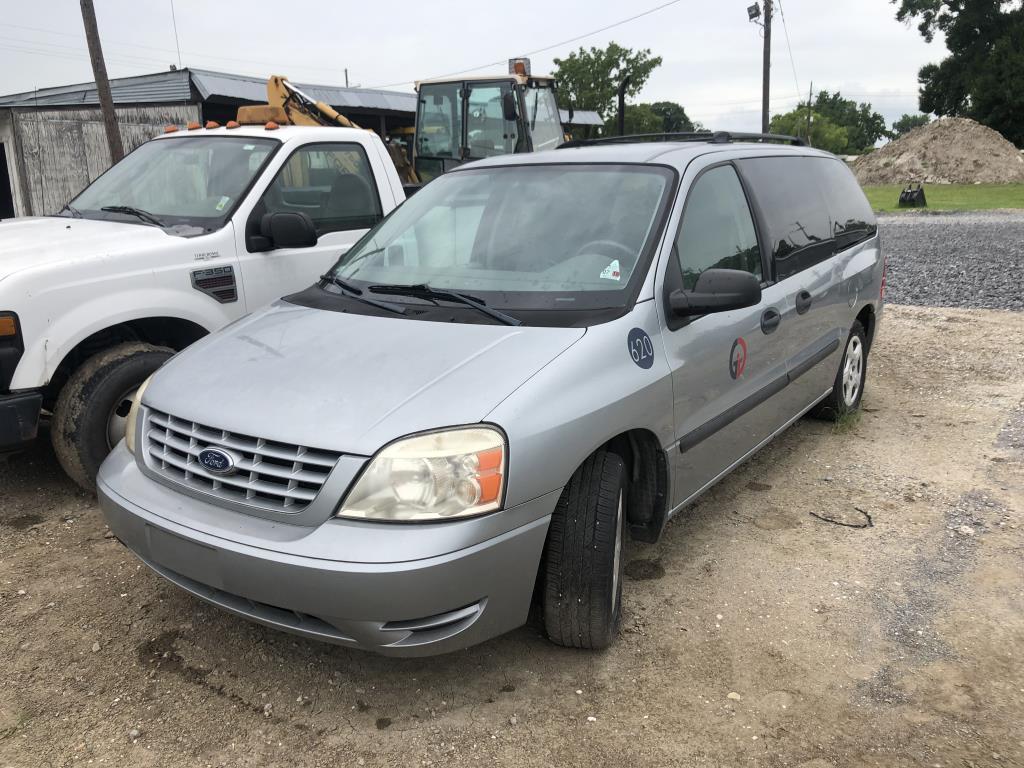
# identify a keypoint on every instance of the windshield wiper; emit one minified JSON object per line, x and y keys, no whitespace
{"x":138,"y":213}
{"x":75,"y":213}
{"x":424,"y":291}
{"x":356,"y":293}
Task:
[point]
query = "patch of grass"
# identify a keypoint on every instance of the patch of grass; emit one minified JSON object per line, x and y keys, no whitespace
{"x":951,"y":197}
{"x":846,"y":422}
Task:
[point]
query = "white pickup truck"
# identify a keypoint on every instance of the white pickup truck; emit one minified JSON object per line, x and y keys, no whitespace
{"x":189,"y":232}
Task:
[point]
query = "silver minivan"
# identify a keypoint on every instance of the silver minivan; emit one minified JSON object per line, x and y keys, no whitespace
{"x":529,"y":360}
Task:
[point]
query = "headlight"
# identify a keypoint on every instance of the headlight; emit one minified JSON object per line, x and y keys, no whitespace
{"x":133,"y":416}
{"x":436,"y":476}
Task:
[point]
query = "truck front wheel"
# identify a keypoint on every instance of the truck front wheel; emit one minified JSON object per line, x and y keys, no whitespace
{"x":89,"y":417}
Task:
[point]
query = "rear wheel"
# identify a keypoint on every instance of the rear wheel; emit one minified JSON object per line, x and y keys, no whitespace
{"x":848,"y":388}
{"x":92,"y":408}
{"x":582,"y":570}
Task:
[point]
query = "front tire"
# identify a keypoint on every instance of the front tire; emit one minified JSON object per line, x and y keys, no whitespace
{"x":582,"y":569}
{"x":848,"y":388}
{"x":88,"y":418}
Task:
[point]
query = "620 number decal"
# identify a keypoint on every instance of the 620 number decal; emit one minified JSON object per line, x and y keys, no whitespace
{"x":640,"y":348}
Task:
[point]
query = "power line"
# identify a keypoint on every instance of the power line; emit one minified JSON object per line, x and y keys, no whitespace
{"x":177,"y":45}
{"x":792,"y":61}
{"x":559,"y":44}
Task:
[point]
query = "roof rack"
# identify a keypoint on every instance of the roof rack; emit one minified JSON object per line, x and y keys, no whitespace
{"x":718,"y":137}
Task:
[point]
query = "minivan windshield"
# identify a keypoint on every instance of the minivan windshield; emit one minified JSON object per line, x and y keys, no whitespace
{"x":559,"y":236}
{"x":191,"y":181}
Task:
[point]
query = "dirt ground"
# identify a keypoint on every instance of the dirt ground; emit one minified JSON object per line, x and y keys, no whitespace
{"x":754,"y":634}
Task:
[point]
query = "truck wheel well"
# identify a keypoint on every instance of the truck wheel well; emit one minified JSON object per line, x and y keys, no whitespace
{"x":867,"y":319}
{"x":647,"y":471}
{"x":172,"y":332}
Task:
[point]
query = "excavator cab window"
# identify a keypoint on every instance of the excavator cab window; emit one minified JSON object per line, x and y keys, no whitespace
{"x":438,"y":129}
{"x":542,"y":117}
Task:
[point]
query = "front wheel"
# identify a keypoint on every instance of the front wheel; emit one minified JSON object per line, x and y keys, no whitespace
{"x":848,"y":388}
{"x":582,"y":569}
{"x":92,"y":407}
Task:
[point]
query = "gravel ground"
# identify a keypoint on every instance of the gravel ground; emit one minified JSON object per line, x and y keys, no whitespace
{"x":973,"y":260}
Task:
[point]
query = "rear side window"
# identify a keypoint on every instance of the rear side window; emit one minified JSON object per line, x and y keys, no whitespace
{"x":717,"y":231}
{"x":853,"y":221}
{"x":790,"y":194}
{"x":330,"y":182}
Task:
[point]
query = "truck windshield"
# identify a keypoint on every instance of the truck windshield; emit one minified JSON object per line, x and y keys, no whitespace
{"x":558,"y":236}
{"x":191,"y":182}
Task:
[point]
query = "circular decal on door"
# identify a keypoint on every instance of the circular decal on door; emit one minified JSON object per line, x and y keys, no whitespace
{"x":738,"y":358}
{"x":640,"y":348}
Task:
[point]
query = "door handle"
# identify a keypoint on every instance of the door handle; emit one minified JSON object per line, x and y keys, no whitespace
{"x":770,"y":320}
{"x":803,"y":302}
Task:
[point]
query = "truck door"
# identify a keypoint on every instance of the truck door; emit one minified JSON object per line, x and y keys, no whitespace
{"x":336,"y":185}
{"x":728,"y":367}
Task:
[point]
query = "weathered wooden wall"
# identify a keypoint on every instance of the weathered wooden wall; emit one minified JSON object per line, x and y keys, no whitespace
{"x":61,"y":150}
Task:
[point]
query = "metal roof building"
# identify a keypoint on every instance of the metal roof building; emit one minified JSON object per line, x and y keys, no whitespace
{"x":52,"y":142}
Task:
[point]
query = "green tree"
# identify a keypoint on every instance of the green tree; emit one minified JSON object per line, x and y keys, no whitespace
{"x":824,"y":133}
{"x":983,"y":76}
{"x":660,"y":117}
{"x":674,"y":117}
{"x":590,"y":79}
{"x":863,"y":126}
{"x":907,"y":123}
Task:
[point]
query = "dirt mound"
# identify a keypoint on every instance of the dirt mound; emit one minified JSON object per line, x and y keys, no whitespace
{"x":951,"y":150}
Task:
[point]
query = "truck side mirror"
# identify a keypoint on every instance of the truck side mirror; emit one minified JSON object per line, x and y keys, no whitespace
{"x":717,"y":290}
{"x":508,"y":106}
{"x":288,"y":230}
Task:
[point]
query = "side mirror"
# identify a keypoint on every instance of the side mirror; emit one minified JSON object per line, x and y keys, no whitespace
{"x":508,"y":106}
{"x":288,"y":230}
{"x":717,"y":290}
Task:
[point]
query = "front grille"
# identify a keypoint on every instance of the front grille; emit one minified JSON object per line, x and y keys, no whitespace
{"x":275,"y":476}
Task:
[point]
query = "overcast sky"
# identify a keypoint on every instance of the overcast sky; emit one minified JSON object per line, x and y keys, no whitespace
{"x":712,"y":54}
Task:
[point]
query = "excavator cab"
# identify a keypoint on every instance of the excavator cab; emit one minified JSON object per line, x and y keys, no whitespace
{"x":475,"y":118}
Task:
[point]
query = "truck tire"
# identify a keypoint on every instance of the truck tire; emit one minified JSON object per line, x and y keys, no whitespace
{"x":582,"y":564}
{"x":848,"y":388}
{"x":92,"y":406}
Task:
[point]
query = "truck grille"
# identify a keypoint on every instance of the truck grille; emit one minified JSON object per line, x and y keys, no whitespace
{"x":269,"y":475}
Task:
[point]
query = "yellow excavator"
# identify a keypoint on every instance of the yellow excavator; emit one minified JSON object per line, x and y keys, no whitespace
{"x":457,"y":120}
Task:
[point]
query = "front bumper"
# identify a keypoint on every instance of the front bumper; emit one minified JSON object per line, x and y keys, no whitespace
{"x":419,"y":607}
{"x":19,"y":419}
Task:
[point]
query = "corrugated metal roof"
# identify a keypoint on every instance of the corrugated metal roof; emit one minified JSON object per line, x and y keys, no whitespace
{"x":176,"y":87}
{"x":224,"y":85}
{"x":580,"y":117}
{"x":160,"y":88}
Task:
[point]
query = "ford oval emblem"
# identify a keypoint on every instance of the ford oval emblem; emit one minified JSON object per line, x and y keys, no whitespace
{"x":217,"y":461}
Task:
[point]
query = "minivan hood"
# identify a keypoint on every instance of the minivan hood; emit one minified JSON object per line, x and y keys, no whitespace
{"x":349,"y":382}
{"x":41,"y":240}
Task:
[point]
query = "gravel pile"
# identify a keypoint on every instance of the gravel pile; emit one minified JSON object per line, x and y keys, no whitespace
{"x":971,"y":260}
{"x":952,"y":150}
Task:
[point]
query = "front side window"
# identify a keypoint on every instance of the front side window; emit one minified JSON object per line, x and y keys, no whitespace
{"x":543,"y":118}
{"x":188,"y":182}
{"x":332,"y":183}
{"x":717,"y":230}
{"x":521,"y":237}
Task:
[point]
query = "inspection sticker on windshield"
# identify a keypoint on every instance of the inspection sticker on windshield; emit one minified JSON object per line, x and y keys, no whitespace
{"x":222,"y":202}
{"x":612,"y":272}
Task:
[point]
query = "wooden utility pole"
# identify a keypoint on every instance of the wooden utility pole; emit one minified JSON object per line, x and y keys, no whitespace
{"x":767,"y":66}
{"x":810,"y":108}
{"x":99,"y":71}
